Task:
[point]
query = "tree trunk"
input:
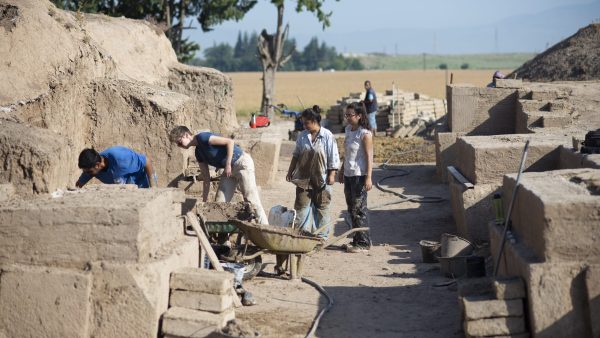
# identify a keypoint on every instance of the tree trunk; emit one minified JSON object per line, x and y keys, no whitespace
{"x":268,"y":91}
{"x":270,"y":50}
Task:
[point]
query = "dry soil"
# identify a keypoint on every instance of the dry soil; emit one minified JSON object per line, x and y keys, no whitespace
{"x":385,"y":293}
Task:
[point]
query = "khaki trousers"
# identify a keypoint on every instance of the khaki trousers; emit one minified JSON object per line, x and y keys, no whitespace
{"x":243,"y":178}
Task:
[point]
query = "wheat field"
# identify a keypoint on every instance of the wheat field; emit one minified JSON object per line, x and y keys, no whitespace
{"x":325,"y":88}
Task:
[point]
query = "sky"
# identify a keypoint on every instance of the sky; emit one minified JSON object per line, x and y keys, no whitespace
{"x":431,"y":26}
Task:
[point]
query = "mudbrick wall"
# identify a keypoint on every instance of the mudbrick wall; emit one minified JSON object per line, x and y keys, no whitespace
{"x":91,"y":263}
{"x":102,"y":81}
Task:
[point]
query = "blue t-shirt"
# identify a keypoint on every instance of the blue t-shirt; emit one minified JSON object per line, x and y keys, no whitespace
{"x":214,"y":155}
{"x":125,"y":166}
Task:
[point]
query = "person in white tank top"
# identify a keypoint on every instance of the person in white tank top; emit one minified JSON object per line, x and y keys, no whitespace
{"x":356,"y":172}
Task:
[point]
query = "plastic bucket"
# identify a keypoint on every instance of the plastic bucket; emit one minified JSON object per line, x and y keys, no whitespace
{"x":429,"y":251}
{"x":453,"y":246}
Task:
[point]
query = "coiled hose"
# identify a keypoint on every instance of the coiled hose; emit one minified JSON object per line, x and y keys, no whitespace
{"x":403,"y":172}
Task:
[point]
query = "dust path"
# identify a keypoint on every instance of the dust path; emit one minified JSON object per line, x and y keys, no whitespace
{"x":386,"y":293}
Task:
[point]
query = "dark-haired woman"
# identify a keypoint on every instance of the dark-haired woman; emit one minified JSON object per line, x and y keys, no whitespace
{"x":313,"y":170}
{"x":356,"y":172}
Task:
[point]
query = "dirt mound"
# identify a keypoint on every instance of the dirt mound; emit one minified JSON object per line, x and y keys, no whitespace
{"x":576,"y":58}
{"x":80,"y":80}
{"x":398,"y":150}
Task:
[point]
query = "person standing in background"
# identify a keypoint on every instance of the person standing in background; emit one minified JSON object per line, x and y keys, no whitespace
{"x":356,"y":172}
{"x":371,"y":106}
{"x":313,"y":170}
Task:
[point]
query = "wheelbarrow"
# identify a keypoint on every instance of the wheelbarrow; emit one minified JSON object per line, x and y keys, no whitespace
{"x":213,"y":219}
{"x":281,"y":241}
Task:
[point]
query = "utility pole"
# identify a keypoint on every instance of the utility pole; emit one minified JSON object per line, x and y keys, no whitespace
{"x":424,"y":61}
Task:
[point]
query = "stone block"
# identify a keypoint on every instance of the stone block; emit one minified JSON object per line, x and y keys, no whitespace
{"x":44,"y":302}
{"x":482,"y":307}
{"x":182,"y":322}
{"x":494,"y":326}
{"x":509,"y":288}
{"x":472,"y":209}
{"x":202,"y":280}
{"x":502,"y":288}
{"x":201,"y":301}
{"x":555,"y":213}
{"x":7,"y":191}
{"x":557,"y":301}
{"x":571,"y":159}
{"x":99,"y":223}
{"x":592,"y":285}
{"x":129,"y":299}
{"x":481,"y":111}
{"x":509,"y":83}
{"x":445,"y":153}
{"x":485,"y":159}
{"x":265,"y":154}
{"x":34,"y":159}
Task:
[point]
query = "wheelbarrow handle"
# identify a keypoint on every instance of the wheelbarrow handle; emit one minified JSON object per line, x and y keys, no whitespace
{"x":342,"y":236}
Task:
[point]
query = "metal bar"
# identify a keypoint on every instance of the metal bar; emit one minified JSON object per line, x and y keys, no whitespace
{"x":510,"y":207}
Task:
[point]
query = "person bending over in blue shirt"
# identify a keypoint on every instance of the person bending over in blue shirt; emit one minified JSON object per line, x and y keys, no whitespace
{"x":222,"y":153}
{"x":115,"y":165}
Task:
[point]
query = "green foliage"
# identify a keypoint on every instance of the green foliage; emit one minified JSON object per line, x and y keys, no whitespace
{"x":464,"y":66}
{"x":214,"y":12}
{"x":87,"y":6}
{"x":243,"y":57}
{"x":313,"y":6}
{"x":443,"y":66}
{"x":166,"y":13}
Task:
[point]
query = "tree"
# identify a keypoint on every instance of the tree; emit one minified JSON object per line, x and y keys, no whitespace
{"x":314,"y":56}
{"x":271,"y":46}
{"x":170,"y":14}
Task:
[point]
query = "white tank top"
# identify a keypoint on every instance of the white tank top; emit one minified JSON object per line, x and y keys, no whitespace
{"x":355,"y":157}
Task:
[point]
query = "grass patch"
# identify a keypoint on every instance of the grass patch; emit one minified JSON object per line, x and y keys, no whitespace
{"x":432,"y":61}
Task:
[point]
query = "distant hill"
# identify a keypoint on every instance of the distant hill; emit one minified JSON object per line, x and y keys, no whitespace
{"x":575,"y":58}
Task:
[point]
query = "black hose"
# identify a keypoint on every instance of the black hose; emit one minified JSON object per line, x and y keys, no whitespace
{"x":315,"y":322}
{"x":404,"y":172}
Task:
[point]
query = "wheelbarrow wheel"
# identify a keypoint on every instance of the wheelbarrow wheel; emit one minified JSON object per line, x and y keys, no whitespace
{"x":252,"y":267}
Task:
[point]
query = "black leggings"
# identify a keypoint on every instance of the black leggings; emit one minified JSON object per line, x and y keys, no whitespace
{"x":356,"y":200}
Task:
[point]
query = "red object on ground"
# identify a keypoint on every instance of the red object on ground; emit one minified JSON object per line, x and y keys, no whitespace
{"x":260,"y":121}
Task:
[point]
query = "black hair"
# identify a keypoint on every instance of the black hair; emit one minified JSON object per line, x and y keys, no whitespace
{"x":360,"y":109}
{"x":312,"y":114}
{"x":88,"y":158}
{"x":369,"y":82}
